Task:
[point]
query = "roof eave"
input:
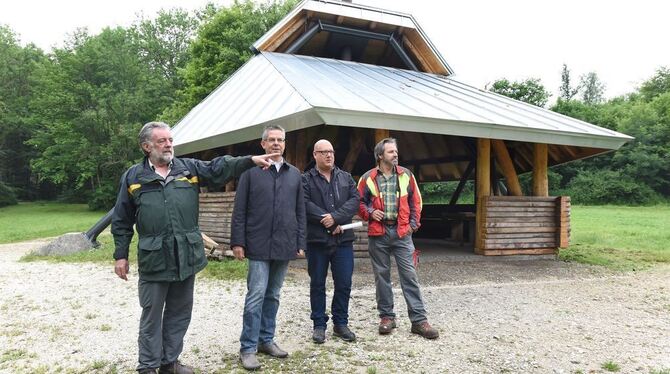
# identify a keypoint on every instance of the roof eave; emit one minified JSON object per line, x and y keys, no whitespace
{"x":442,"y":126}
{"x":296,"y":121}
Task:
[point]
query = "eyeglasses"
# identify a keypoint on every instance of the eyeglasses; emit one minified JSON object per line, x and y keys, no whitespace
{"x":274,"y":140}
{"x":325,"y":153}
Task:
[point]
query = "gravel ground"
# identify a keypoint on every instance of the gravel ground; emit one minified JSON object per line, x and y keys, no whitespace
{"x":537,"y":316}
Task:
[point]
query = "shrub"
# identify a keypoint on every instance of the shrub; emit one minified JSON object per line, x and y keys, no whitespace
{"x":609,"y":187}
{"x":103,"y":198}
{"x":7,"y":196}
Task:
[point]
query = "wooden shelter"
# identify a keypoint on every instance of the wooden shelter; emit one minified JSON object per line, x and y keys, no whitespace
{"x":354,"y":75}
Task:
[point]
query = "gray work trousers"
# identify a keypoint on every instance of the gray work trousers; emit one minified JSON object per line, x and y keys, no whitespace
{"x":166,"y":314}
{"x":381,"y":248}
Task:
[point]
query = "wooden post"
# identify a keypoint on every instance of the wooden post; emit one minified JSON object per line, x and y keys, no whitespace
{"x":483,"y":188}
{"x":507,"y":166}
{"x":563,"y":221}
{"x":540,"y":165}
{"x":483,"y":168}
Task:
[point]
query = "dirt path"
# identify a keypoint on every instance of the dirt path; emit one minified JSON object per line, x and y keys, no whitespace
{"x":495,"y":317}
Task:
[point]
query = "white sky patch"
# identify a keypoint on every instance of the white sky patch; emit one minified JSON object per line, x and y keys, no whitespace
{"x":624,"y":42}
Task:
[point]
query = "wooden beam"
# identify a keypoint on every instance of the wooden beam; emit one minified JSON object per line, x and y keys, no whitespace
{"x":423,"y":64}
{"x":495,"y":177}
{"x":461,"y":184}
{"x":438,"y":160}
{"x":540,"y":178}
{"x":381,"y":134}
{"x":505,"y":163}
{"x":274,"y":44}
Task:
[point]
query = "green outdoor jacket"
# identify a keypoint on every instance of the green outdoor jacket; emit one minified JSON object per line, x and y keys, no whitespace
{"x":165,"y":212}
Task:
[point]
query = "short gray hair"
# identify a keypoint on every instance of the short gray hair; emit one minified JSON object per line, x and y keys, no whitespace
{"x":147,"y":130}
{"x":379,"y":148}
{"x":269,"y":128}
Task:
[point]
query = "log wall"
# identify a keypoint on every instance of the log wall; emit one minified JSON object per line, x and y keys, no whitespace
{"x":216,"y":210}
{"x":511,"y":225}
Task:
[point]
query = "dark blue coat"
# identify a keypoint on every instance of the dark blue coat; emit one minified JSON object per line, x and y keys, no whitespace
{"x":346,"y":201}
{"x":269,"y":213}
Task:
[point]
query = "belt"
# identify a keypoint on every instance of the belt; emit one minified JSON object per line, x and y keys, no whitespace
{"x":389,"y":222}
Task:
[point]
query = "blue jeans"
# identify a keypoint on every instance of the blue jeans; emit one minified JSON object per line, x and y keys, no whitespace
{"x":341,"y":262}
{"x":264,"y":281}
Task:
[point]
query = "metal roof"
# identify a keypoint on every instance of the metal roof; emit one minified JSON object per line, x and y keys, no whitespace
{"x":299,"y":91}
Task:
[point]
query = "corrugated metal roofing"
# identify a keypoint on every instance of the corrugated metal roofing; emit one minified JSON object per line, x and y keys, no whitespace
{"x":300,"y":91}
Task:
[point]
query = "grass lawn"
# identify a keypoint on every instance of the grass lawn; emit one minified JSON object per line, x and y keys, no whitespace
{"x":619,"y":237}
{"x":224,"y":270}
{"x":34,"y":220}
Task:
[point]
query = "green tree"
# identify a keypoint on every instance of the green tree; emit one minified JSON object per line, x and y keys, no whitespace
{"x":92,"y":99}
{"x":657,"y":85}
{"x":593,"y":90}
{"x":530,"y":91}
{"x":566,"y":91}
{"x":17,"y":65}
{"x":222,"y":46}
{"x":164,"y":42}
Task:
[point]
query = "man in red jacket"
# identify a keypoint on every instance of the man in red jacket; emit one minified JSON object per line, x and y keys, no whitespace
{"x":391,"y":203}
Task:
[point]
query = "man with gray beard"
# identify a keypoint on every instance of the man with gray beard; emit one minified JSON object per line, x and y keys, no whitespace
{"x":160,"y":197}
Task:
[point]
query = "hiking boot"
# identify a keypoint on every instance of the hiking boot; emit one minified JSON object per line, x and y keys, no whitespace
{"x":147,"y":371}
{"x":273,"y":350}
{"x":175,"y":368}
{"x":249,"y":361}
{"x":344,"y":333}
{"x":386,"y":325}
{"x":319,"y":335}
{"x":425,"y":329}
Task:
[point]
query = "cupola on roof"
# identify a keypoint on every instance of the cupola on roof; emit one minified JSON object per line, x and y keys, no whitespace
{"x":349,"y":31}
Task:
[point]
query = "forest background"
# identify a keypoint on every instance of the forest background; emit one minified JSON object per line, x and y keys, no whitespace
{"x":69,"y":118}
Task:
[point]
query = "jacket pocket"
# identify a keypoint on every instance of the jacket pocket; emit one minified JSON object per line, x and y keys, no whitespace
{"x":197,"y":253}
{"x":150,"y":254}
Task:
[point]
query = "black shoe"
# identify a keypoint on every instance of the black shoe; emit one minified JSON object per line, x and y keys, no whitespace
{"x":147,"y":371}
{"x":344,"y":333}
{"x":319,"y":335}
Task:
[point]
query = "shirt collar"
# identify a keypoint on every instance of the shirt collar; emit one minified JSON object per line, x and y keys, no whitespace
{"x":153,"y":168}
{"x":278,"y":164}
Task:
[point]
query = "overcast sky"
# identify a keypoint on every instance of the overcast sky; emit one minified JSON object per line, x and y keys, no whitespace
{"x":624,"y":42}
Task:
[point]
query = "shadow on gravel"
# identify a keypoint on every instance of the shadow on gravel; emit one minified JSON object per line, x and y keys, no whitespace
{"x":457,"y":265}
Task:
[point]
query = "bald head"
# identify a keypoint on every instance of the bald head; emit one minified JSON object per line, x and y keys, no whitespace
{"x":324,"y":155}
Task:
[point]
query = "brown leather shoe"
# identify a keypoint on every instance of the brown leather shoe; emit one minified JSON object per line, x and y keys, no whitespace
{"x":175,"y":368}
{"x":425,"y":329}
{"x":386,"y":325}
